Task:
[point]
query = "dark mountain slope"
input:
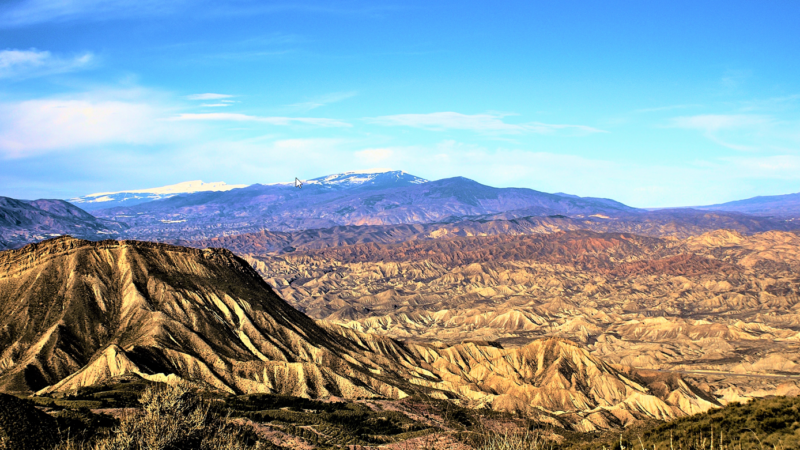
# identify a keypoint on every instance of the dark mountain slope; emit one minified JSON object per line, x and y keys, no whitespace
{"x":24,"y":221}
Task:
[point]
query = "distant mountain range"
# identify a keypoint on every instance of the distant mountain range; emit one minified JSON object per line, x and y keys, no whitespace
{"x":197,"y":211}
{"x":104,"y":200}
{"x":23,"y":221}
{"x":391,"y":197}
{"x":772,"y":205}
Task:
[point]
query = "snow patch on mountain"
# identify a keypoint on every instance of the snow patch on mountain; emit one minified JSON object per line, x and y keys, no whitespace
{"x":366,"y":177}
{"x":187,"y":187}
{"x":101,"y":200}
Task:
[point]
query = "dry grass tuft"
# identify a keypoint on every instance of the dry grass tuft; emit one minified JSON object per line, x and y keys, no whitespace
{"x":517,"y":440}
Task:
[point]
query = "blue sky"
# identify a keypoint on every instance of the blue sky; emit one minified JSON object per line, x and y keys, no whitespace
{"x":651,"y":103}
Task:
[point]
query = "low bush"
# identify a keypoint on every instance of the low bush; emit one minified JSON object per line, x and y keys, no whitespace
{"x":171,"y":417}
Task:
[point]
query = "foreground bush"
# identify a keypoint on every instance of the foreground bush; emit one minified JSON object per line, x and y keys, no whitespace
{"x":171,"y":418}
{"x":176,"y":418}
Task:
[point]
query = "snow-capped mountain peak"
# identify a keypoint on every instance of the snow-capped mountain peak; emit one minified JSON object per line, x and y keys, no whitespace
{"x":372,"y":177}
{"x":187,"y":187}
{"x":101,"y":200}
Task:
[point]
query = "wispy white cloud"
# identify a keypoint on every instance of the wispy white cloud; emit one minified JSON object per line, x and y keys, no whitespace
{"x":734,"y":79}
{"x":83,"y":122}
{"x":29,"y":12}
{"x":34,"y":63}
{"x":785,"y":167}
{"x":36,"y":126}
{"x":263,"y":160}
{"x":235,"y":117}
{"x":321,"y":101}
{"x":717,"y":122}
{"x":487,"y":123}
{"x":667,"y":108}
{"x":771,"y":105}
{"x":210,"y":96}
{"x":725,"y":128}
{"x":215,"y":105}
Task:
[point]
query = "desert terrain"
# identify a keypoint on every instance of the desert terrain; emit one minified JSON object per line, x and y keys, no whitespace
{"x":715,"y":306}
{"x":93,"y":311}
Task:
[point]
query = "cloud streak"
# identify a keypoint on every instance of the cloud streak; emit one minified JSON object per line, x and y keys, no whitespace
{"x":483,"y":123}
{"x":754,"y":128}
{"x":321,"y":101}
{"x":667,"y":108}
{"x":209,"y":96}
{"x":38,"y":126}
{"x":280,"y":121}
{"x":18,"y":64}
{"x":786,"y":167}
{"x":717,"y":122}
{"x":30,"y":12}
{"x":373,"y":155}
